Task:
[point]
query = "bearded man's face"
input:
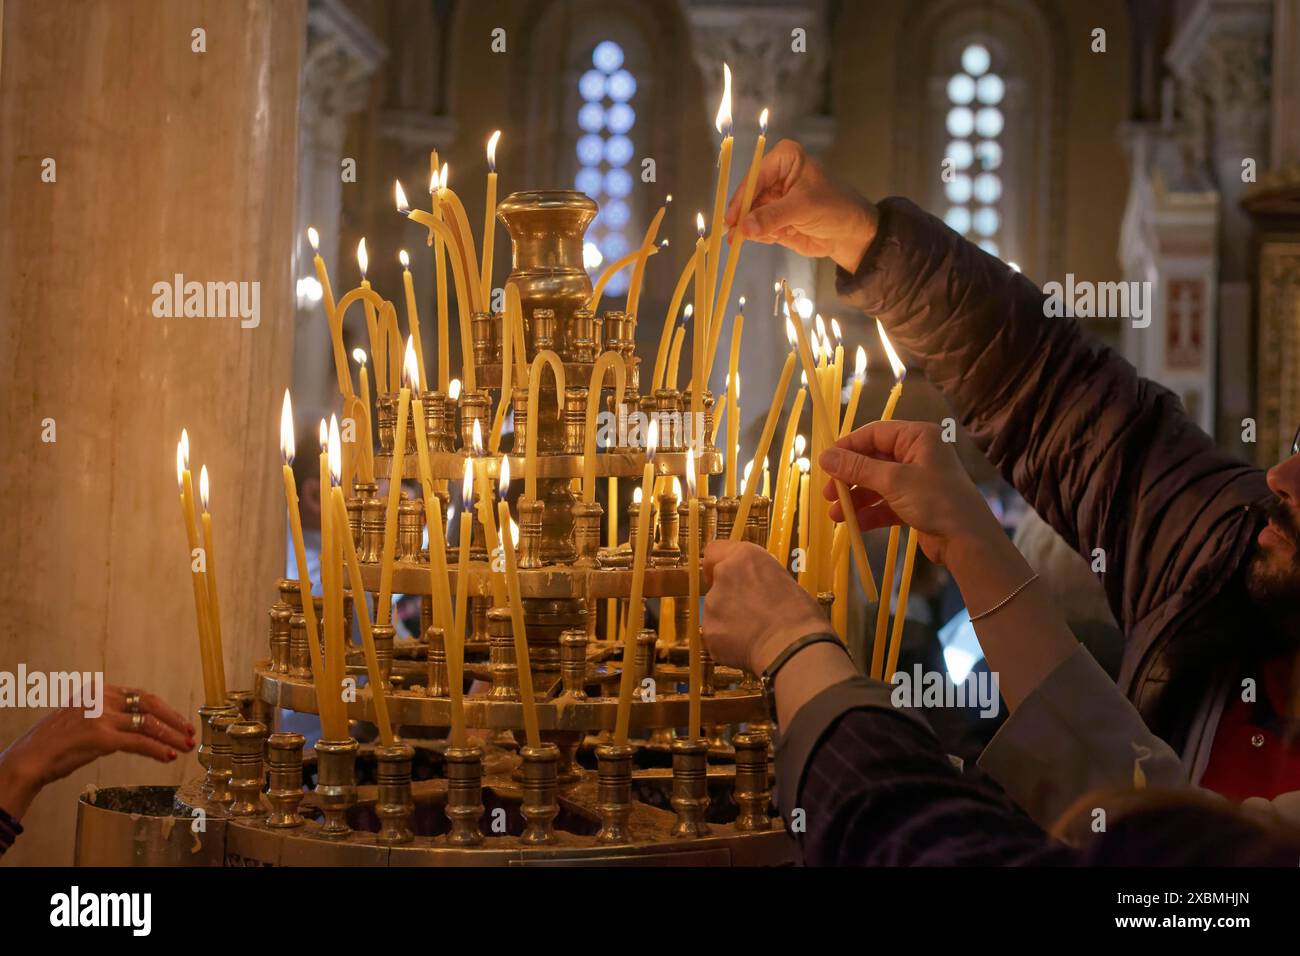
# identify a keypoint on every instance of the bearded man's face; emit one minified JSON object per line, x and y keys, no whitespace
{"x":1273,"y":577}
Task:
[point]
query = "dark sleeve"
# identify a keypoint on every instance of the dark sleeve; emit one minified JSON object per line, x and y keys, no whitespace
{"x":866,"y":784}
{"x":1109,"y":459}
{"x":9,"y":831}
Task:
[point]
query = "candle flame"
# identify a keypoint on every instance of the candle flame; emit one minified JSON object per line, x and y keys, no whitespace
{"x":314,"y":238}
{"x":286,"y":429}
{"x":477,"y":443}
{"x":514,"y":532}
{"x":699,"y":224}
{"x":185,"y":445}
{"x":492,"y":151}
{"x":690,"y":477}
{"x":180,"y":469}
{"x":359,"y":356}
{"x":668,"y":199}
{"x":203,"y":487}
{"x":803,"y":379}
{"x":453,"y":389}
{"x":636,"y":496}
{"x":410,"y":367}
{"x":804,"y":465}
{"x":400,"y":194}
{"x":835,"y":331}
{"x":895,"y":363}
{"x":324,"y":435}
{"x":762,"y":122}
{"x":652,"y":439}
{"x":860,"y":365}
{"x":800,"y":445}
{"x":663,"y":243}
{"x":744,"y":476}
{"x":722,"y":122}
{"x":363,"y":258}
{"x":687,"y":313}
{"x":336,"y":453}
{"x":442,"y":182}
{"x":591,"y":257}
{"x":503,"y":477}
{"x":820,"y":326}
{"x":467,"y":485}
{"x":404,"y":259}
{"x":790,"y":335}
{"x":433,"y":187}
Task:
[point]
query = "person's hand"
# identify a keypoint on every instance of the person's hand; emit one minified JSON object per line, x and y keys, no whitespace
{"x":67,"y":740}
{"x":904,"y":473}
{"x":753,"y":609}
{"x":799,"y":206}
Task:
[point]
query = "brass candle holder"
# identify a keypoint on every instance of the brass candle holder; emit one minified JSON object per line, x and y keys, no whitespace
{"x":575,"y":419}
{"x":690,"y":787}
{"x":464,"y":795}
{"x":487,"y":345}
{"x":752,"y":792}
{"x":384,"y":636}
{"x":284,"y":792}
{"x":362,"y":491}
{"x":617,"y":329}
{"x":219,"y":769}
{"x":539,"y":808}
{"x":726,"y":509}
{"x":644,"y":661}
{"x":762,"y":511}
{"x":530,"y":532}
{"x":501,"y":655}
{"x":586,"y":533}
{"x":519,"y":405}
{"x":474,"y":407}
{"x":668,"y":405}
{"x":573,"y":663}
{"x":247,"y":741}
{"x":410,"y":528}
{"x":613,"y":792}
{"x":385,"y":421}
{"x":204,"y":753}
{"x":542,"y":329}
{"x":667,"y":550}
{"x":372,"y":530}
{"x":479,"y":604}
{"x":336,"y":784}
{"x":438,"y":681}
{"x":394,"y":804}
{"x":579,"y":343}
{"x":280,"y":615}
{"x":299,"y":652}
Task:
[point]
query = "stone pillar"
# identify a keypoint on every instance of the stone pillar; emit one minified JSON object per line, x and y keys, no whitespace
{"x":166,"y":161}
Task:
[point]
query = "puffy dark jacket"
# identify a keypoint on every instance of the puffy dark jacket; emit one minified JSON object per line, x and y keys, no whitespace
{"x":1109,"y":459}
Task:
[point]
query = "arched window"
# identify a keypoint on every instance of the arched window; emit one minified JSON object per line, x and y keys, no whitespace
{"x":974,"y":124}
{"x":606,"y":118}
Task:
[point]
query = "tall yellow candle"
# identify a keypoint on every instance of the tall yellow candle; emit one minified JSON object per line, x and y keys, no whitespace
{"x":332,"y":318}
{"x":635,"y":612}
{"x":785,"y":462}
{"x":489,"y":219}
{"x":855,"y":391}
{"x":440,"y":273}
{"x":366,"y":460}
{"x":693,"y":600}
{"x":487,"y":514}
{"x":526,"y":696}
{"x":544,"y":358}
{"x":764,"y":443}
{"x":384,"y":607}
{"x":395,"y":364}
{"x":611,"y":541}
{"x":646,"y":251}
{"x":210,"y":562}
{"x":325,"y":700}
{"x":722,"y":122}
{"x":789,"y":507}
{"x":899,"y":370}
{"x":333,"y":622}
{"x":608,"y":360}
{"x":413,"y":319}
{"x":882,"y":610}
{"x":212,"y":692}
{"x":746,"y":202}
{"x":698,"y":372}
{"x":613,"y":269}
{"x":840,"y":563}
{"x":675,"y":353}
{"x":900,"y":615}
{"x":821,"y":415}
{"x":670,"y":322}
{"x":512,"y":314}
{"x":464,"y":239}
{"x":803,"y":523}
{"x":462,"y":576}
{"x":733,"y":397}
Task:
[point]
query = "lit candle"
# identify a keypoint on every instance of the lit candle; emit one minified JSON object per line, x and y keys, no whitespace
{"x":489,"y":219}
{"x":693,"y":599}
{"x":331,"y":316}
{"x":329,"y":723}
{"x":487,"y":510}
{"x":366,"y":461}
{"x":722,"y":122}
{"x":821,"y":415}
{"x":413,"y":319}
{"x":378,"y":690}
{"x":900,"y":373}
{"x":614,"y":268}
{"x":462,"y":578}
{"x":608,"y":360}
{"x":531,"y":731}
{"x":384,"y":607}
{"x":789,"y":505}
{"x":370,"y":303}
{"x":213,"y":693}
{"x":645,"y":252}
{"x":670,"y":322}
{"x":698,"y":373}
{"x":611,"y":541}
{"x":764,"y":442}
{"x":675,"y":353}
{"x":900,"y":615}
{"x":210,"y":563}
{"x":393,"y":345}
{"x":464,"y":239}
{"x":465,"y":293}
{"x":855,"y":391}
{"x":746,"y":202}
{"x":333,"y":622}
{"x":544,"y":358}
{"x":635,"y":612}
{"x":733,"y":397}
{"x":805,"y":466}
{"x":785,"y":461}
{"x":440,"y":267}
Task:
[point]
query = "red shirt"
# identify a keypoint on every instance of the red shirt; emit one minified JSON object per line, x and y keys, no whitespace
{"x":1252,"y":755}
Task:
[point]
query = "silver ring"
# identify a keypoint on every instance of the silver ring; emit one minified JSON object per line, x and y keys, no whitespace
{"x":137,"y":723}
{"x":133,"y":701}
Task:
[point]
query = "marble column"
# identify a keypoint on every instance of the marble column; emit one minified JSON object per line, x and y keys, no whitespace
{"x":158,"y":161}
